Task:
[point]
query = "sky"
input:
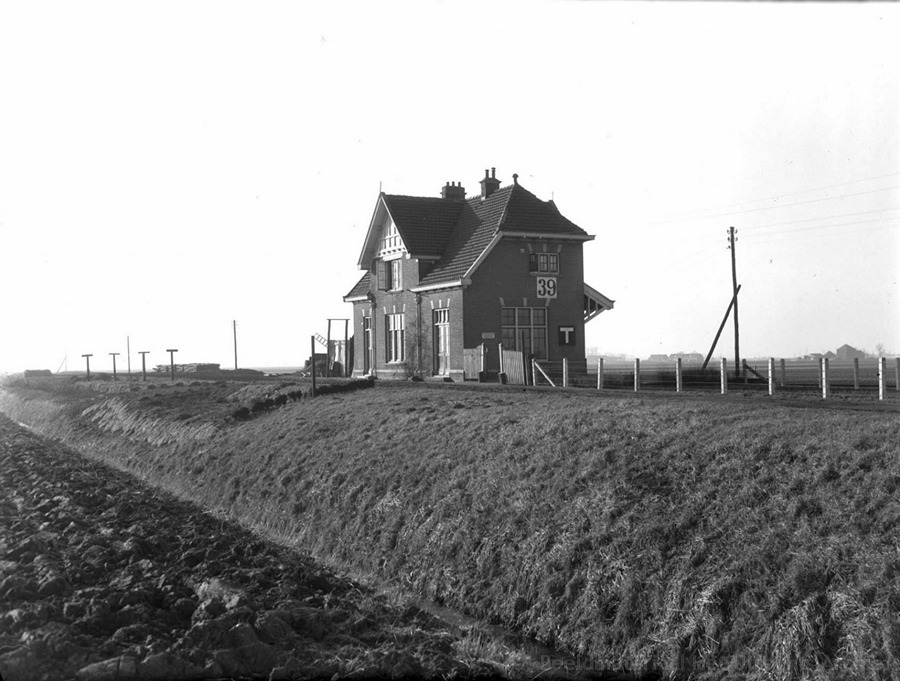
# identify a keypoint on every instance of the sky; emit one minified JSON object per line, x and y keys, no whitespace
{"x":168,"y":168}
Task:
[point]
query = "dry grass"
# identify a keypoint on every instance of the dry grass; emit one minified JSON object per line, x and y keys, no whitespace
{"x":710,"y":538}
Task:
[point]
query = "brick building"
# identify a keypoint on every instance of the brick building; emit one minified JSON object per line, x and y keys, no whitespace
{"x":446,"y":276}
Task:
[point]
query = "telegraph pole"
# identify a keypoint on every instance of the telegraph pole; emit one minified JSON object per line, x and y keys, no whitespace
{"x":114,"y":354}
{"x":87,"y":359}
{"x":172,"y":352}
{"x":738,"y":370}
{"x":234,"y":326}
{"x":143,"y":354}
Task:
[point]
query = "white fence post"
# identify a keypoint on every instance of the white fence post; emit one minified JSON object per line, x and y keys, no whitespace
{"x":637,"y":374}
{"x":856,"y":373}
{"x":771,"y":375}
{"x":783,"y":374}
{"x":565,"y":372}
{"x":723,"y":376}
{"x":824,"y":379}
{"x":882,"y":371}
{"x":600,"y":374}
{"x":533,"y":371}
{"x":679,"y":386}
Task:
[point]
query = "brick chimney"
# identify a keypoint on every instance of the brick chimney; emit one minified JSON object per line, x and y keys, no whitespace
{"x":489,"y":184}
{"x":453,"y":190}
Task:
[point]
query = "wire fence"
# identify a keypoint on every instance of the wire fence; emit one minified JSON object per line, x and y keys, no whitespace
{"x":869,"y":376}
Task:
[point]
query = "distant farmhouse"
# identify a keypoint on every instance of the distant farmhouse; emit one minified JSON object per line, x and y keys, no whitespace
{"x":849,"y":352}
{"x":446,"y":276}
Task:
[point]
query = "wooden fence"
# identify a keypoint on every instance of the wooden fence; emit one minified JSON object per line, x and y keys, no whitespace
{"x":823,"y":375}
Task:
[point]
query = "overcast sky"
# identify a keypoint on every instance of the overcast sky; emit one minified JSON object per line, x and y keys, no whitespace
{"x":168,"y":167}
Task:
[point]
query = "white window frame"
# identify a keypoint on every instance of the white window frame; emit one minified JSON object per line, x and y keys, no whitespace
{"x":395,"y":338}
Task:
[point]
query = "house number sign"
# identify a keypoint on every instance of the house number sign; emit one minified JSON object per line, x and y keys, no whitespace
{"x":546,"y":287}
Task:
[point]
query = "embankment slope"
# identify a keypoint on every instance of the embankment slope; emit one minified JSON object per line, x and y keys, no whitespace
{"x":707,"y":538}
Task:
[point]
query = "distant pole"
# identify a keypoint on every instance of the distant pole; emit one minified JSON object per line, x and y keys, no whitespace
{"x":114,"y":364}
{"x":312,"y":361}
{"x":172,"y":352}
{"x":600,"y":374}
{"x":679,"y":386}
{"x":128,"y":349}
{"x":882,"y":379}
{"x":826,"y":389}
{"x":234,"y":327}
{"x":783,"y":372}
{"x":723,"y":373}
{"x":347,"y":348}
{"x":87,"y":358}
{"x":738,"y":368}
{"x":856,"y":373}
{"x":143,"y":354}
{"x":771,"y":375}
{"x":637,"y":374}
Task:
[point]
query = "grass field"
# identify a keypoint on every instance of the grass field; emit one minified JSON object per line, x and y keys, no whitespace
{"x":705,"y":537}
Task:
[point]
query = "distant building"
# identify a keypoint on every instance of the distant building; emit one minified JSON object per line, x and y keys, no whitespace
{"x":849,"y":352}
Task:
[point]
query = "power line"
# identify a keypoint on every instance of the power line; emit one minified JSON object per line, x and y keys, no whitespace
{"x":772,"y":238}
{"x":829,"y":217}
{"x":784,"y":205}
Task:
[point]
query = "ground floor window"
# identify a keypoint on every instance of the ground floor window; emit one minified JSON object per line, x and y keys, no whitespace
{"x":442,"y":341}
{"x":525,"y":329}
{"x":395,"y":341}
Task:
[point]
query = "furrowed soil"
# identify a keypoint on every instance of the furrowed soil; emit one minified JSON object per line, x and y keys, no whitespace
{"x":698,"y":537}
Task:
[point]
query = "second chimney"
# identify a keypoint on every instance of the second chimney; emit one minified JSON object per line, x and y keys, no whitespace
{"x":489,"y":184}
{"x":453,"y":190}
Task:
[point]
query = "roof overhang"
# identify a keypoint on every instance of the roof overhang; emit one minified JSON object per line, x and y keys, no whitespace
{"x":442,"y":285}
{"x":554,"y":236}
{"x":595,"y":303}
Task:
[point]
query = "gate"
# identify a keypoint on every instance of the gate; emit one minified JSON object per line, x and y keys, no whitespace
{"x":513,"y":363}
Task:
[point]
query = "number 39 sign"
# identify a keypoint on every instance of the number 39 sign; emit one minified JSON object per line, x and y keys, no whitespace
{"x":546,"y":287}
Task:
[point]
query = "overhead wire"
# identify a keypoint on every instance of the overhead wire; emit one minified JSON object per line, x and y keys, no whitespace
{"x":694,"y":215}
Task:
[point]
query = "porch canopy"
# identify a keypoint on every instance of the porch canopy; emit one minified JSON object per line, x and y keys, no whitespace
{"x":595,"y":303}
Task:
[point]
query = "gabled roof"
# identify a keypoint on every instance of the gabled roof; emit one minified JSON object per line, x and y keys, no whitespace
{"x":458,"y":233}
{"x":512,"y":210}
{"x":424,"y":224}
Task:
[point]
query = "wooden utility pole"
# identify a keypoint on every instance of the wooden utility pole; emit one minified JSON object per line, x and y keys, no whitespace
{"x":312,"y":363}
{"x":172,"y":352}
{"x":87,"y":358}
{"x":114,"y":363}
{"x":128,"y":350}
{"x":234,"y":326}
{"x":143,"y":354}
{"x":738,"y":367}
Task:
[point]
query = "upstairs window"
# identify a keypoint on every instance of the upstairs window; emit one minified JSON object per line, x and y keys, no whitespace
{"x":544,"y":262}
{"x":390,"y":275}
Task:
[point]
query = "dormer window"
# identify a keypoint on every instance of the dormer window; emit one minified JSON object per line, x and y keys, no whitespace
{"x":389,"y":275}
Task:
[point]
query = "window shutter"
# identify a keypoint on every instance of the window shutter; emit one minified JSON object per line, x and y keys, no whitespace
{"x":381,"y":273}
{"x":532,"y":262}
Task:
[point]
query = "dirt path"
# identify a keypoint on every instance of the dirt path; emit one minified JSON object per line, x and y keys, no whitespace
{"x":102,"y":578}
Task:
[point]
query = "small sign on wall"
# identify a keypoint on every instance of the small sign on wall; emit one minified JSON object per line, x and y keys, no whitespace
{"x":567,"y":335}
{"x":546,"y":287}
{"x":487,"y":335}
